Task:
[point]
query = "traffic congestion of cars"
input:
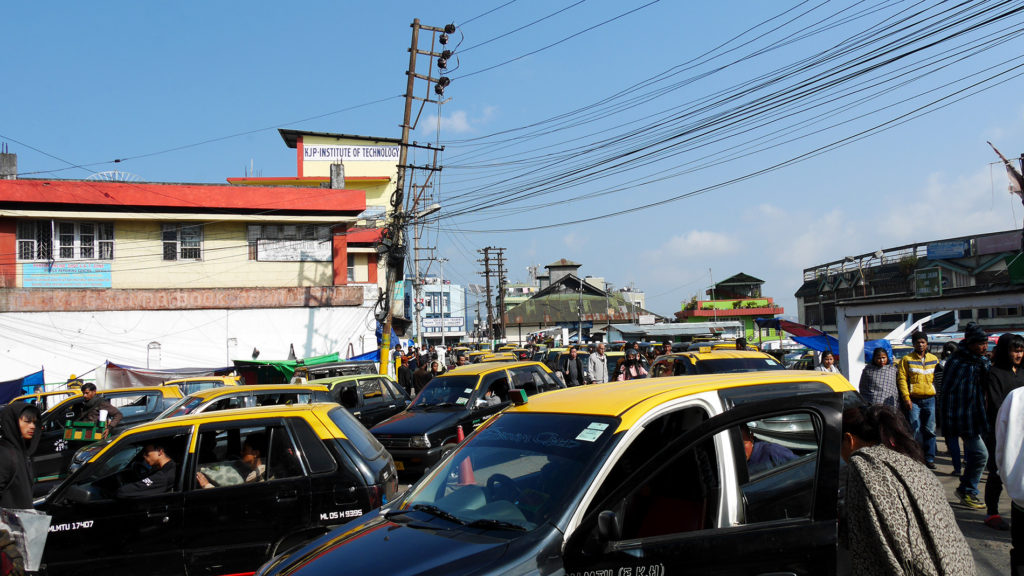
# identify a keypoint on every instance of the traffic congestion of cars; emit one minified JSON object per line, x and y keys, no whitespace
{"x":508,"y":470}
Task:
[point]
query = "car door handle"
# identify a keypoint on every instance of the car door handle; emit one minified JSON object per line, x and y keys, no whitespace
{"x":157,"y":512}
{"x":287,"y":495}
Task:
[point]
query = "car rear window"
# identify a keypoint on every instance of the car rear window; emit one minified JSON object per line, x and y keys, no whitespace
{"x":360,"y":438}
{"x":727,"y":365}
{"x":317,"y":456}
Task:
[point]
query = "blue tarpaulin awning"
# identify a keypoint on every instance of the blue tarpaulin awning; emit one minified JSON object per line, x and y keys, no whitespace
{"x":11,"y":389}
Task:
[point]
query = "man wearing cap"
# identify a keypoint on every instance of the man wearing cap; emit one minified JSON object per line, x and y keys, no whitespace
{"x":915,"y":377}
{"x":963,"y":408}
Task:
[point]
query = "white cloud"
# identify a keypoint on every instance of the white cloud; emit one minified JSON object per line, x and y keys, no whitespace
{"x":574,"y":242}
{"x":698,"y":245}
{"x":458,"y":122}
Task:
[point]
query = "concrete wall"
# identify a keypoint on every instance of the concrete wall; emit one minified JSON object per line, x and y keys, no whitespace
{"x":64,"y":343}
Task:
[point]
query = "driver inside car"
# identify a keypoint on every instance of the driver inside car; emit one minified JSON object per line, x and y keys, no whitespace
{"x":160,"y":480}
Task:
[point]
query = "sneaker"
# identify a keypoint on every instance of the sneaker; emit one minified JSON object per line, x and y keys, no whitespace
{"x":930,"y":465}
{"x":996,"y":522}
{"x":969,"y":500}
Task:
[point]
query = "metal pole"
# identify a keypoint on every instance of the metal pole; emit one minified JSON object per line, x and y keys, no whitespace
{"x":579,"y":312}
{"x":442,"y":261}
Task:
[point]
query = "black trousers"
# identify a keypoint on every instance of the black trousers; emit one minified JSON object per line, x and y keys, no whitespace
{"x":994,"y":483}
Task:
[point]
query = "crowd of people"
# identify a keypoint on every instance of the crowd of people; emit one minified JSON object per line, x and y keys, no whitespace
{"x":969,"y":395}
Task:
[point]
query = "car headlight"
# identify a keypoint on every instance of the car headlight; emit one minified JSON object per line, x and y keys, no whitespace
{"x":420,"y":441}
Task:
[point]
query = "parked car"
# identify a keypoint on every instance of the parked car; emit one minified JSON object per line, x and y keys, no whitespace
{"x":708,"y":361}
{"x":54,"y":453}
{"x":46,"y":400}
{"x":321,"y":469}
{"x":371,"y":398}
{"x":333,"y":369}
{"x":223,"y":398}
{"x":193,"y":385}
{"x":421,"y":435}
{"x":645,"y":477}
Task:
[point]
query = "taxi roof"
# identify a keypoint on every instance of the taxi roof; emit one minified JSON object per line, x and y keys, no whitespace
{"x":319,"y":408}
{"x":720,"y":353}
{"x":326,"y":382}
{"x":167,"y":391}
{"x":199,"y":379}
{"x":484,"y":368}
{"x":632,"y":399}
{"x":50,"y":393}
{"x":226,"y":390}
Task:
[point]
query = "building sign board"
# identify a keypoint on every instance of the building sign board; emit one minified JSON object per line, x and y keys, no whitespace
{"x":1005,"y":242}
{"x":294,"y":250}
{"x":336,"y":153}
{"x":449,"y":322}
{"x":65,"y":275}
{"x":949,"y":249}
{"x":645,"y":319}
{"x":928,"y":282}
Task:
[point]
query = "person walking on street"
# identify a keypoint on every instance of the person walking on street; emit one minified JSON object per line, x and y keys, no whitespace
{"x":1010,"y":462}
{"x":573,"y":368}
{"x":421,"y":377}
{"x":964,"y":415}
{"x":898,"y":520}
{"x":597,"y":365}
{"x":828,"y":362}
{"x":952,"y":442}
{"x":878,"y":380}
{"x":632,"y":368}
{"x":19,"y":438}
{"x":915,"y":375}
{"x":1004,"y":377}
{"x":405,"y":378}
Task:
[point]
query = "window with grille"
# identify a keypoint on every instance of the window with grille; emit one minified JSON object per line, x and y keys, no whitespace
{"x":183,"y":241}
{"x":65,"y":240}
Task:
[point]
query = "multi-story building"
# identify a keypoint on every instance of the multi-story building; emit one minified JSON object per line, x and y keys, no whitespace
{"x":736,"y":298}
{"x":965,"y":265}
{"x":443,"y":313}
{"x":94,"y":270}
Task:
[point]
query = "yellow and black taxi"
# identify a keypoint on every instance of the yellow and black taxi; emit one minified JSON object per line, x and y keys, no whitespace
{"x":224,"y":398}
{"x":371,"y":398}
{"x":53,"y":455}
{"x":707,"y":360}
{"x":239,"y":486}
{"x":46,"y":400}
{"x":192,"y":385}
{"x":463,"y":398}
{"x":654,"y":476}
{"x":500,"y":357}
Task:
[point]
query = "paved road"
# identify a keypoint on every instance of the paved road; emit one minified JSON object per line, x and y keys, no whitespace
{"x":991,"y":547}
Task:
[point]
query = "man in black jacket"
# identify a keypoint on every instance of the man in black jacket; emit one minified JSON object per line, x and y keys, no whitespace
{"x":573,"y":369}
{"x":18,"y":440}
{"x":161,"y":480}
{"x":405,"y":378}
{"x":90,"y":411}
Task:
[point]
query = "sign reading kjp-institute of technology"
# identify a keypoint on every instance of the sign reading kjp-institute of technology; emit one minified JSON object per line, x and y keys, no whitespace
{"x":335,"y":153}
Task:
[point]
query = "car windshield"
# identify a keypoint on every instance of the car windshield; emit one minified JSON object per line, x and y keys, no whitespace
{"x":454,"y":390}
{"x":519,"y":472}
{"x":180,"y":408}
{"x":727,"y":365}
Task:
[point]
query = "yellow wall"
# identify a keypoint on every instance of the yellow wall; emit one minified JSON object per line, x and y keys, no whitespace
{"x":138,"y":261}
{"x":377,"y":193}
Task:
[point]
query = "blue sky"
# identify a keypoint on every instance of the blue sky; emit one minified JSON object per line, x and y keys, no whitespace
{"x":88,"y":83}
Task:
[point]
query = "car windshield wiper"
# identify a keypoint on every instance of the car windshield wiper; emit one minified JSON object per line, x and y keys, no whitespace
{"x":491,"y":523}
{"x":434,"y":510}
{"x":440,"y":405}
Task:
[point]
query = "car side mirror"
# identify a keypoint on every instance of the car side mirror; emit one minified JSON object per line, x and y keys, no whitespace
{"x":78,"y":495}
{"x":608,"y":529}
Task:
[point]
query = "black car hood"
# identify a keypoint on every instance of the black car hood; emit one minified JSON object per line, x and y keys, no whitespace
{"x":415,"y":544}
{"x":415,"y":422}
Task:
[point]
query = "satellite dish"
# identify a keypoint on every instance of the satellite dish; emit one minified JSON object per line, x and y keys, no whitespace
{"x":114,"y":176}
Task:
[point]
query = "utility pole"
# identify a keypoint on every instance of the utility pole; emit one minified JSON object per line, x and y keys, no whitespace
{"x":501,"y":290}
{"x":579,"y":312}
{"x":392,"y":243}
{"x":487,"y":283}
{"x":441,"y":261}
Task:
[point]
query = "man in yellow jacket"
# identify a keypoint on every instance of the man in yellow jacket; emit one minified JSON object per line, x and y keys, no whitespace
{"x":915,"y":376}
